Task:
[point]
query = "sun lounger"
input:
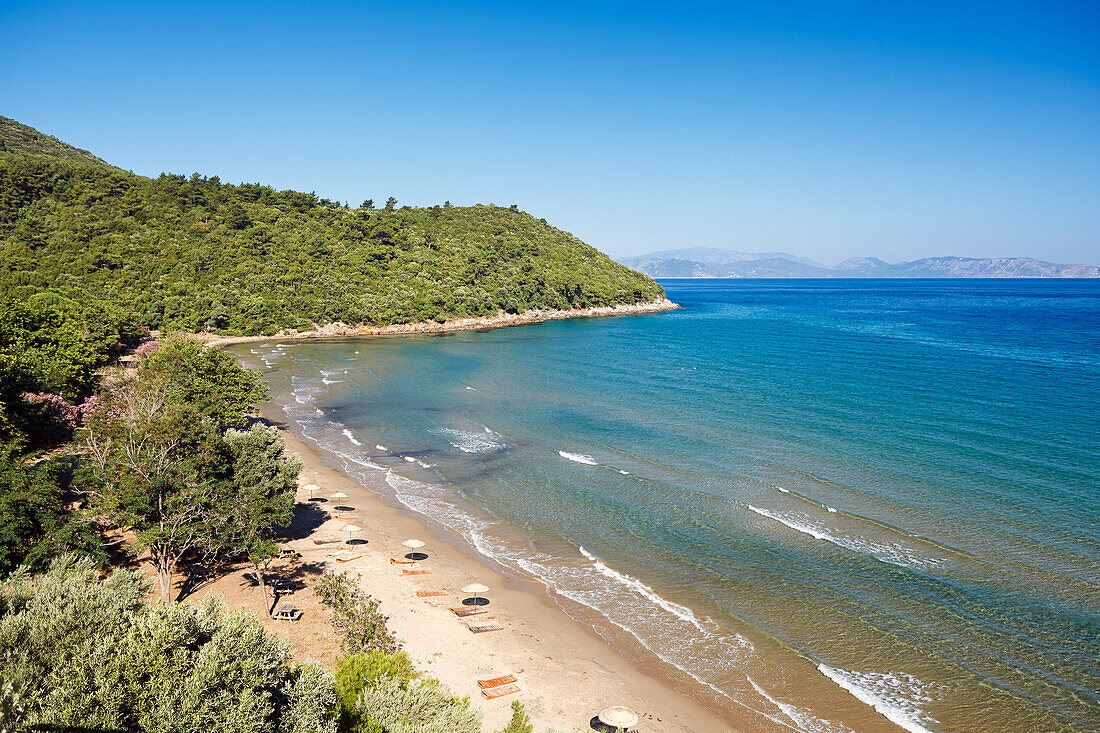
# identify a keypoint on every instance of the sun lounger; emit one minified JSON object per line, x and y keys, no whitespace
{"x":496,"y":681}
{"x":430,"y":593}
{"x":499,"y":692}
{"x":344,"y":516}
{"x":463,"y":611}
{"x":401,"y":561}
{"x":482,"y":628}
{"x":325,"y":542}
{"x":348,"y":559}
{"x":416,"y":571}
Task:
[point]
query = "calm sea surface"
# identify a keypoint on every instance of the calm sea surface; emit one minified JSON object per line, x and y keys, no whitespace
{"x":830,"y":505}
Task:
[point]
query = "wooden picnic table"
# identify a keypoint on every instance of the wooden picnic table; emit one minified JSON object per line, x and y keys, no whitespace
{"x":282,"y":586}
{"x":286,"y":612}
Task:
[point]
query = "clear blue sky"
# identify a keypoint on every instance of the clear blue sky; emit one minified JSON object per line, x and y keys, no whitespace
{"x":824,"y":129}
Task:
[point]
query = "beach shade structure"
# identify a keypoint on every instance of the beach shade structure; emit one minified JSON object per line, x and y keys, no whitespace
{"x":475,"y":588}
{"x":414,"y":544}
{"x":350,"y":528}
{"x":341,"y":495}
{"x":618,"y":717}
{"x":311,"y":488}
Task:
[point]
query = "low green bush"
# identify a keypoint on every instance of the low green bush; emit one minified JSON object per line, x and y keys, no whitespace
{"x":356,"y":672}
{"x":520,"y":722}
{"x":419,"y":706}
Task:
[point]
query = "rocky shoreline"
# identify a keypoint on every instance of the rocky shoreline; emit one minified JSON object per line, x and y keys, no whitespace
{"x":501,"y":320}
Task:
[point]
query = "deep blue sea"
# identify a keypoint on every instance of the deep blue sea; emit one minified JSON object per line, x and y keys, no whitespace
{"x":825,"y":505}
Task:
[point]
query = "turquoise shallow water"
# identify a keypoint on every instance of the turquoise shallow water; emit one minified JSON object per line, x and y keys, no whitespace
{"x":843,"y":505}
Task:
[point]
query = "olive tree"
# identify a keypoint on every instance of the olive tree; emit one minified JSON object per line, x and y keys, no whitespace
{"x":90,"y":653}
{"x":264,"y":482}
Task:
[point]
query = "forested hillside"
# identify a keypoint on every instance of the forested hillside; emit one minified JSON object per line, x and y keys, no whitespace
{"x":194,"y":253}
{"x":16,"y":137}
{"x":91,"y":259}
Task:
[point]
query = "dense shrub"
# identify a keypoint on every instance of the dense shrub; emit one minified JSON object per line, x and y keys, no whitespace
{"x":51,"y":343}
{"x":420,"y":706}
{"x":90,"y":653}
{"x":35,"y":525}
{"x":356,"y":672}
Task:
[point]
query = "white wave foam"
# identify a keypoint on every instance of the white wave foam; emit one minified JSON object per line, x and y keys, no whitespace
{"x":358,"y":461}
{"x":254,"y":351}
{"x":351,"y":437}
{"x":284,"y":346}
{"x":670,"y":631}
{"x":805,"y":720}
{"x":896,"y":696}
{"x":428,"y":500}
{"x":379,"y":446}
{"x":893,"y":554}
{"x":579,"y":458}
{"x":326,"y":380}
{"x":470,"y":442}
{"x":642,"y":589}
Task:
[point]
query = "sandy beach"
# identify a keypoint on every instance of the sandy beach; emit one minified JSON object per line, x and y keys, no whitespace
{"x":566,"y":672}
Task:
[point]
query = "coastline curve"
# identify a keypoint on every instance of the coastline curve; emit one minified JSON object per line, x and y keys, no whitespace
{"x":501,"y":320}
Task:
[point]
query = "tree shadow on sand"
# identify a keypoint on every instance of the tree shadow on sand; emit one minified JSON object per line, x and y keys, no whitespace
{"x":307,"y":518}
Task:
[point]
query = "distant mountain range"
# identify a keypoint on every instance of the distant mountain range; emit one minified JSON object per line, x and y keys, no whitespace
{"x":715,"y":256}
{"x":710,"y":262}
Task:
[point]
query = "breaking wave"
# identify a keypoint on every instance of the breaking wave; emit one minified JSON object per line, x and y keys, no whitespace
{"x":578,"y":458}
{"x":890,"y":553}
{"x":803,"y":719}
{"x":471,"y":442}
{"x":896,"y":696}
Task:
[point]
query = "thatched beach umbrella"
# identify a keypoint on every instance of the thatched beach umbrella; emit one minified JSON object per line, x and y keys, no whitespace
{"x":475,"y":588}
{"x":340,"y":495}
{"x":311,"y":488}
{"x":349,"y":528}
{"x":414,"y":545}
{"x":618,"y":717}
